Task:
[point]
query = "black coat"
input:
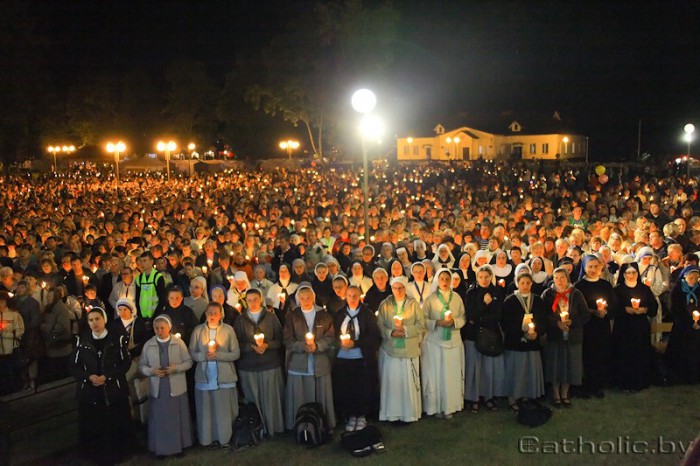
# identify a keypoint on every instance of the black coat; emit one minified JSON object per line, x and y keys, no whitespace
{"x":109,"y":357}
{"x":478,"y":314}
{"x":141,"y":334}
{"x":183,"y":319}
{"x":370,"y":338}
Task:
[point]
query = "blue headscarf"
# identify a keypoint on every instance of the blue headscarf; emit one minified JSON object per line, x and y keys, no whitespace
{"x":584,"y":261}
{"x":690,"y":296}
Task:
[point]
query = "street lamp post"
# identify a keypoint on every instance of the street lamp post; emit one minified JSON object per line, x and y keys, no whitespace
{"x":364,"y":101}
{"x":116,"y":148}
{"x":167,"y":147}
{"x":689,"y":130}
{"x":54,"y":150}
{"x":290,"y":146}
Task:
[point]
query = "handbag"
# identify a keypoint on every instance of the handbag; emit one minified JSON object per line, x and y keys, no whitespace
{"x":57,"y":338}
{"x":20,"y":355}
{"x":488,"y":342}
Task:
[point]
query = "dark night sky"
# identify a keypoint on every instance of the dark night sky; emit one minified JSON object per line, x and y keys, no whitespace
{"x":602,"y":65}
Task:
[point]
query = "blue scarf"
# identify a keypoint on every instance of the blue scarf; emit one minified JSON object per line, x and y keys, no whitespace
{"x":690,"y":296}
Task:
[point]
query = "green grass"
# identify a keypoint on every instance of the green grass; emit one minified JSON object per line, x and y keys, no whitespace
{"x":492,"y":437}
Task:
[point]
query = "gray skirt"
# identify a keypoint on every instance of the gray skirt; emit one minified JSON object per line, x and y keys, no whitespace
{"x":524,"y":377}
{"x":302,"y":389}
{"x":216,"y":411}
{"x":563,"y":363}
{"x":169,"y":424}
{"x":484,"y":376}
{"x":266,"y":390}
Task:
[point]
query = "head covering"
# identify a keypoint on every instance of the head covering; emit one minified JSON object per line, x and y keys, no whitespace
{"x":214,"y":287}
{"x":127,"y":302}
{"x":689,"y":291}
{"x":302,"y":286}
{"x":563,"y":261}
{"x":434,"y":285}
{"x":400,"y":250}
{"x":391,"y":266}
{"x":201,"y":281}
{"x":644,"y":252}
{"x":164,"y":317}
{"x":587,"y":258}
{"x":450,"y":258}
{"x":243,"y":277}
{"x":521,"y":268}
{"x":399,"y":280}
{"x":624,"y":268}
{"x":100,"y":310}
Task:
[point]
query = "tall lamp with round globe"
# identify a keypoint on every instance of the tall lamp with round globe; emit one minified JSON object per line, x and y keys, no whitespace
{"x":689,"y":130}
{"x":364,"y":101}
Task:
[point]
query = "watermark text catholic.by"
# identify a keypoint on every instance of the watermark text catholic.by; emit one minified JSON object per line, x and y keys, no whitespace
{"x":621,"y":445}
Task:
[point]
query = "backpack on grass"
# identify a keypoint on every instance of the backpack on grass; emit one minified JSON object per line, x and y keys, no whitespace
{"x":310,"y":426}
{"x":362,"y":442}
{"x":533,"y":413}
{"x":247,"y":428}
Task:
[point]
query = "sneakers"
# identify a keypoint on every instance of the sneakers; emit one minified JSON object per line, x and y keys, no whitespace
{"x":351,"y":424}
{"x":361,"y":423}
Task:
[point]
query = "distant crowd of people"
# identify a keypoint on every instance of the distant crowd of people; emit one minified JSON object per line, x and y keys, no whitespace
{"x":473,"y":283}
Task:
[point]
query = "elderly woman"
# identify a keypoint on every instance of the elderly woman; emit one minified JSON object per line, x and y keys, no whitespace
{"x":683,"y":351}
{"x":259,"y":334}
{"x":279,"y":291}
{"x":135,"y":333}
{"x":214,"y":347}
{"x":631,"y":338}
{"x":99,"y":365}
{"x":443,"y":351}
{"x":379,"y":291}
{"x":11,"y":331}
{"x":443,"y":258}
{"x":57,"y":336}
{"x":235,"y":297}
{"x":484,"y":375}
{"x":218,"y":295}
{"x":198,"y":299}
{"x":299,"y":273}
{"x":401,"y":323}
{"x":164,"y":360}
{"x":567,"y":314}
{"x":355,"y":367}
{"x":308,"y":338}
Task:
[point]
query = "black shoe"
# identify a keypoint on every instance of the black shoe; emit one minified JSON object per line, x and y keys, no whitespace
{"x":399,"y":423}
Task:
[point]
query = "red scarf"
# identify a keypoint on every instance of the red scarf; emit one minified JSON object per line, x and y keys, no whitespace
{"x":564,"y":295}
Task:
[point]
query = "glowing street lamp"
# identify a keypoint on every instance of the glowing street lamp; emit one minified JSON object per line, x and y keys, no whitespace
{"x":689,"y":130}
{"x":54,"y":150}
{"x":566,"y":142}
{"x":167,"y":147}
{"x":371,"y":127}
{"x":290,"y":146}
{"x":116,"y":148}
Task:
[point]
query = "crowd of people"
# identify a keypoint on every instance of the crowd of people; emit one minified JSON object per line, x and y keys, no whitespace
{"x":169,"y":302}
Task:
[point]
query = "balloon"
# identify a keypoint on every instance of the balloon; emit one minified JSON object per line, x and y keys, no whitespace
{"x":603,"y":178}
{"x":599,"y":170}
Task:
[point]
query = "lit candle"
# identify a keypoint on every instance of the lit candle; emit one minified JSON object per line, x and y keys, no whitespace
{"x":398,"y":321}
{"x":696,"y":316}
{"x":564,"y":315}
{"x":647,"y":281}
{"x":177,"y":335}
{"x":635,"y":302}
{"x":527,"y":318}
{"x":362,"y":298}
{"x":501,"y":282}
{"x":229,"y":277}
{"x":344,"y":338}
{"x":85,"y":278}
{"x":601,"y":301}
{"x":204,"y":269}
{"x":43,"y":284}
{"x":259,"y":338}
{"x":282,"y":296}
{"x":448,"y":315}
{"x":11,"y":294}
{"x":239,"y":307}
{"x":309,"y":338}
{"x":531,"y":328}
{"x":211,"y":344}
{"x":210,"y":262}
{"x":247,"y":257}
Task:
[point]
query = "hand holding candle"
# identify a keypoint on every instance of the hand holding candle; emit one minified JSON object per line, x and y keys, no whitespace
{"x":531,"y":328}
{"x":502,"y":283}
{"x":345,"y":340}
{"x":398,"y":322}
{"x":564,"y":315}
{"x":259,"y":338}
{"x":696,"y":316}
{"x":204,"y":269}
{"x":635,"y":303}
{"x":601,"y":304}
{"x":309,"y":337}
{"x":85,"y":279}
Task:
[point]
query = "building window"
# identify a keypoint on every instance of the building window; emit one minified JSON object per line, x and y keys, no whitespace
{"x":573,"y":147}
{"x":481,"y":150}
{"x":415,"y":150}
{"x":545,"y":148}
{"x":533,"y":149}
{"x":405,"y":150}
{"x":428,"y":151}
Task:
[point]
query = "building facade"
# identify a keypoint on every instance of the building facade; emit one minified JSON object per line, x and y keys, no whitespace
{"x":467,"y":143}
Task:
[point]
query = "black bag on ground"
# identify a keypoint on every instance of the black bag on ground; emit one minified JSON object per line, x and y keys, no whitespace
{"x":310,"y":425}
{"x":533,"y":413}
{"x":362,"y":442}
{"x":489,"y":343}
{"x":247,"y":428}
